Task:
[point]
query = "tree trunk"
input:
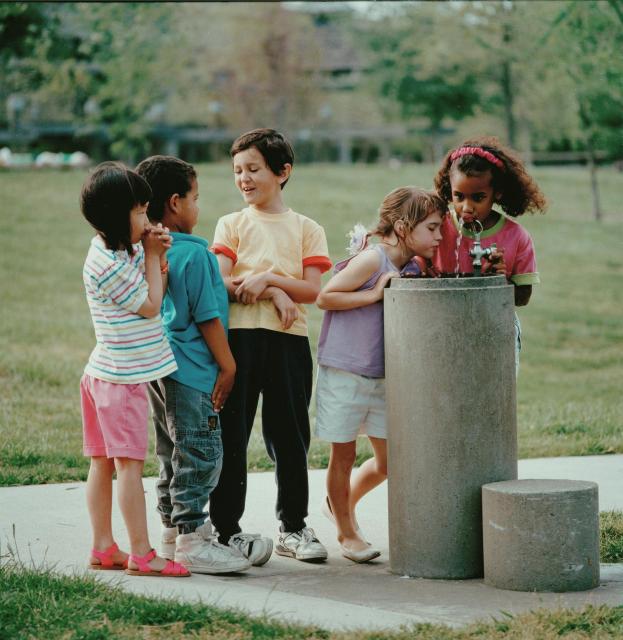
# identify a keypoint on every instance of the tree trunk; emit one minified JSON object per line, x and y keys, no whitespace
{"x":592,"y":167}
{"x":507,"y":88}
{"x":437,"y":143}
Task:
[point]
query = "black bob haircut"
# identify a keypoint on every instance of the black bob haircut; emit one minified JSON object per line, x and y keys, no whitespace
{"x":107,"y":197}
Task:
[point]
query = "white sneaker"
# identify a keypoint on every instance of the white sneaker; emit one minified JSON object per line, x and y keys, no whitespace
{"x":200,"y":552}
{"x":302,"y":545}
{"x":167,"y":542}
{"x":252,"y":546}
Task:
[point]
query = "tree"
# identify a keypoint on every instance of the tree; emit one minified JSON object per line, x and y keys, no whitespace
{"x":408,"y":72}
{"x":260,"y":76}
{"x":588,"y":36}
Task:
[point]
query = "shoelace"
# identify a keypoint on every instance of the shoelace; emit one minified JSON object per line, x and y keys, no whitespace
{"x":308,"y":535}
{"x":245,"y":539}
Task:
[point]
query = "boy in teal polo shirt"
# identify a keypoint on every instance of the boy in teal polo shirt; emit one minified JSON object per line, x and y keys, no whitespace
{"x":185,"y":405}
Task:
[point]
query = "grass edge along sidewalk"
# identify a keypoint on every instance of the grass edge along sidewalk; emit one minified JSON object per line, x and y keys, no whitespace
{"x":38,"y":604}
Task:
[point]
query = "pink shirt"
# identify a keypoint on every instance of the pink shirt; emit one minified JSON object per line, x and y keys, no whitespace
{"x":516,"y":241}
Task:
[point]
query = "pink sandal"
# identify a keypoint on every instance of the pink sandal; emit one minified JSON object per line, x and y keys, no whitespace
{"x":171,"y":569}
{"x":106,"y":563}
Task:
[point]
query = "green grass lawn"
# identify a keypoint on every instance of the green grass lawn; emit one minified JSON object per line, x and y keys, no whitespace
{"x":39,"y":604}
{"x":569,"y":388}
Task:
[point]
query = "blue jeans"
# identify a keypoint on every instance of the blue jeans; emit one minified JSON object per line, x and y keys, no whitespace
{"x":189,"y":449}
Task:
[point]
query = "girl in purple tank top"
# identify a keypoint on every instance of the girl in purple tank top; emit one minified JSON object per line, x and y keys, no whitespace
{"x":350,"y":390}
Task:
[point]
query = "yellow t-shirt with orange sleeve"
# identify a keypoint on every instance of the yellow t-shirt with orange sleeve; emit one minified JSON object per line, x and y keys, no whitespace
{"x":284,"y":243}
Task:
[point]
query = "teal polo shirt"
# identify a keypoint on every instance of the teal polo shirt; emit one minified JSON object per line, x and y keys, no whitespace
{"x":195,"y":293}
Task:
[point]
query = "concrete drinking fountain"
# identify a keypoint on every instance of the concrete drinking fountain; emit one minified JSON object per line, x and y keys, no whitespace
{"x":450,"y":417}
{"x":452,"y":428}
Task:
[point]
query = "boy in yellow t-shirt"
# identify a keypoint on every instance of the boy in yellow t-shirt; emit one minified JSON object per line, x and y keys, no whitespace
{"x":271,"y":260}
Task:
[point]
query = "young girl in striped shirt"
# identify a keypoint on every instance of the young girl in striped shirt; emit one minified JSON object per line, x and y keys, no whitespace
{"x":124,"y":288}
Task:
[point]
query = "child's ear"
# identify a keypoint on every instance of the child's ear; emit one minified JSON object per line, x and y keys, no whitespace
{"x":497,"y":197}
{"x":399,"y":229}
{"x":173,"y":203}
{"x":285,"y":173}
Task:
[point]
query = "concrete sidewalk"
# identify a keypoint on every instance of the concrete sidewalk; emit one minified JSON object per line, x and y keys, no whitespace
{"x":51,"y":528}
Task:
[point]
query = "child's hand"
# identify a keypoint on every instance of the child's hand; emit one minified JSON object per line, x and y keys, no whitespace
{"x":156,"y":240}
{"x":495,"y":262}
{"x":222,"y":388}
{"x":431,"y":270}
{"x":381,"y":283}
{"x":249,"y":288}
{"x":285,"y":307}
{"x":163,"y":234}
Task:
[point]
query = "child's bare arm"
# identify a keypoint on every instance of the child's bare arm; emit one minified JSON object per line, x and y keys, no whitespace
{"x":304,"y":291}
{"x":285,"y":307}
{"x":340,"y":293}
{"x":522,"y":294}
{"x":167,"y":241}
{"x":226,"y":265}
{"x":213,"y":333}
{"x":155,"y":246}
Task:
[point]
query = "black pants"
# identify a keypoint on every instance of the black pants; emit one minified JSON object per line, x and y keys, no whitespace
{"x":279,"y":366}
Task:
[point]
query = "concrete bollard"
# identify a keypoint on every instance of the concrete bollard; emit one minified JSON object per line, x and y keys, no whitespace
{"x":451,"y":417}
{"x":541,"y":535}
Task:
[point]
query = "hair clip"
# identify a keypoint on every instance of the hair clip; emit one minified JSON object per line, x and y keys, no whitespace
{"x":357,"y":239}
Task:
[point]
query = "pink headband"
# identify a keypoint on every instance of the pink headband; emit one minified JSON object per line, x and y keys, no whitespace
{"x":477,"y":151}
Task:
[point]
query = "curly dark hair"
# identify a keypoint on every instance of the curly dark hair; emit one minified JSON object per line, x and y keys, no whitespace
{"x":520,"y":193}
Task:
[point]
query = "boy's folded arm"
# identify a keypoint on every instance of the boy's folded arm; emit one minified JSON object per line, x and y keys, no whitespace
{"x":254,"y":286}
{"x":226,"y":265}
{"x":303,"y":291}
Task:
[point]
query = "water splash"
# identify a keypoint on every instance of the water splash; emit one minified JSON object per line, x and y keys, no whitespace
{"x":459,"y":238}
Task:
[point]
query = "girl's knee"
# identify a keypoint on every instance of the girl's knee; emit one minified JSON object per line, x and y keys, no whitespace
{"x":129,"y":465}
{"x":102,"y":463}
{"x":380,"y":466}
{"x":343,"y":456}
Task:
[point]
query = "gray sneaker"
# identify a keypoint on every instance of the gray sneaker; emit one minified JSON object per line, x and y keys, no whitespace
{"x":200,"y":552}
{"x":253,"y":546}
{"x":302,"y":545}
{"x":167,"y":542}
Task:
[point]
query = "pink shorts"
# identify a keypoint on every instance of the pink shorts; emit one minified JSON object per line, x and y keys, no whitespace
{"x":114,"y":418}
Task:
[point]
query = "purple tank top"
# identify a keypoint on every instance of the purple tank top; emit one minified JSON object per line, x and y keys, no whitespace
{"x":352,"y":340}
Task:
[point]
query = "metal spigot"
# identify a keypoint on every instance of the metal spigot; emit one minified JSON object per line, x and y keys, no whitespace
{"x":477,"y":253}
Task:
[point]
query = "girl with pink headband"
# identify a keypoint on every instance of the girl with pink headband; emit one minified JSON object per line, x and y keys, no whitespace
{"x":475,"y":177}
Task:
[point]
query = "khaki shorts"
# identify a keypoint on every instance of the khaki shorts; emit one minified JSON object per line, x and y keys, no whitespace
{"x":348,"y":405}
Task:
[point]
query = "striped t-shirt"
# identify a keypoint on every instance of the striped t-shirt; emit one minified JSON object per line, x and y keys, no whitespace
{"x":130,"y":348}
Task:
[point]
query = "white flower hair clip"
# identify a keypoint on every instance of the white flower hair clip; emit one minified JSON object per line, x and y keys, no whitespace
{"x":357,"y":239}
